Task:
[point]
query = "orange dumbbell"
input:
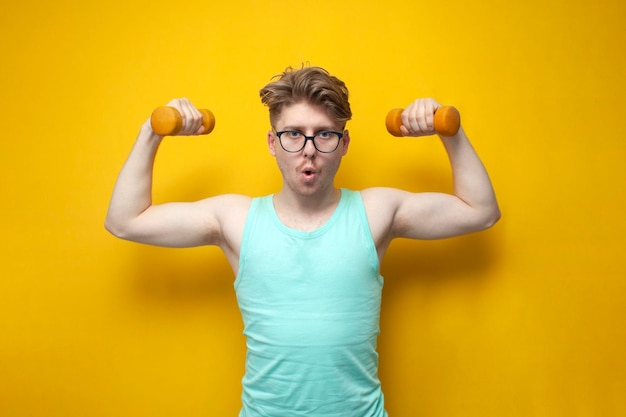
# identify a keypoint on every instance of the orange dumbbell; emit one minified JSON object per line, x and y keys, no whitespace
{"x":447,"y":121}
{"x":166,"y":120}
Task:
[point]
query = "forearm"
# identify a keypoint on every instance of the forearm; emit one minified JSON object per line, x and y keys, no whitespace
{"x":132,"y":194}
{"x":472,"y":184}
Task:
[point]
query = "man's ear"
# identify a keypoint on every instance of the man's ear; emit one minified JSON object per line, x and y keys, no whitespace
{"x":271,"y":142}
{"x":345,"y":142}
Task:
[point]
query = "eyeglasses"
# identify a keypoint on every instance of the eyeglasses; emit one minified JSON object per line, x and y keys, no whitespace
{"x":294,"y":141}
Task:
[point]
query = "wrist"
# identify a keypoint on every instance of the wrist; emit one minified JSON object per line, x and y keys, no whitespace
{"x":146,"y":133}
{"x":459,"y":135}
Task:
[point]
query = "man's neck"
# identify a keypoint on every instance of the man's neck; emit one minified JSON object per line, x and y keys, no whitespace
{"x":306,"y":212}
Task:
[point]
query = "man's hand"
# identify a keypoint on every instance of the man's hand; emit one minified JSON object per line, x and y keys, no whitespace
{"x":191,"y":117}
{"x":418,"y":119}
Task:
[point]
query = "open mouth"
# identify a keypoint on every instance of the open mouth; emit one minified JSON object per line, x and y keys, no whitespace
{"x":308,"y":173}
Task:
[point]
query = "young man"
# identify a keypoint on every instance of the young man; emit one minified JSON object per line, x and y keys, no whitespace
{"x":307,"y":258}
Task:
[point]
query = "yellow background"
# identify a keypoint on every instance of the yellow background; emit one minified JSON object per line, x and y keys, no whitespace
{"x":526,"y":319}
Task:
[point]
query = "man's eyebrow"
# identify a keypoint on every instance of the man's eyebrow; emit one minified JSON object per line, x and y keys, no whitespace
{"x":322,"y":128}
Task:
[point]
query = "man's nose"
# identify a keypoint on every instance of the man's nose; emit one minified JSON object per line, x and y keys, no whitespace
{"x":309,"y":145}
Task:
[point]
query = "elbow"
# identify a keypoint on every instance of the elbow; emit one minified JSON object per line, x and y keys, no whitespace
{"x":483,"y":219}
{"x":111,"y":228}
{"x":491,"y":218}
{"x":115,"y":228}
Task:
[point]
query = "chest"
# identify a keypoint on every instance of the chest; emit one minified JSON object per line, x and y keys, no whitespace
{"x":303,"y":221}
{"x":309,"y":292}
{"x":337,"y":258}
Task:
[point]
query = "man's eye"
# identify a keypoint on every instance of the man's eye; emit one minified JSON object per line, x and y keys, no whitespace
{"x":294,"y":134}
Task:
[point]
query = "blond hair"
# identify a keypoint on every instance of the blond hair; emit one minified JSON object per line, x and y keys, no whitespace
{"x":312,"y":85}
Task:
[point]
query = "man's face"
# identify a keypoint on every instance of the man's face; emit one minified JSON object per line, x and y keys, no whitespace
{"x":308,"y":171}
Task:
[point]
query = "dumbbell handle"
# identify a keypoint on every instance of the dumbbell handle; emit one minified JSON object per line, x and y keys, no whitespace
{"x":167,"y":120}
{"x":447,"y":121}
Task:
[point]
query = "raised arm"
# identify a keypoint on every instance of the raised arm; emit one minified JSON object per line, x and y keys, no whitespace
{"x":471,"y":207}
{"x":132,"y":215}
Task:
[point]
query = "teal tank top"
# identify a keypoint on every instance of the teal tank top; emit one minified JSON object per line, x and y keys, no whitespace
{"x":310,"y":303}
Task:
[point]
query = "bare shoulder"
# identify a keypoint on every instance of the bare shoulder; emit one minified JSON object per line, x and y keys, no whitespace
{"x":380,"y":200}
{"x":378,"y":192}
{"x":230,"y":210}
{"x":381,"y":205}
{"x":235,"y":202}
